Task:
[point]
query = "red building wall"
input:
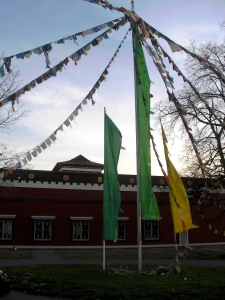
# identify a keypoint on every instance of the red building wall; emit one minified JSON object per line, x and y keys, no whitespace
{"x":63,"y":204}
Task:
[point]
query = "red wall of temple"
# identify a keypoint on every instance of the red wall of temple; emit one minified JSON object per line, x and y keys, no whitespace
{"x":63,"y":204}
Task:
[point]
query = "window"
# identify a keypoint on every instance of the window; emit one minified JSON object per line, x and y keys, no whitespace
{"x":81,"y":228}
{"x":121,"y":228}
{"x":6,"y":223}
{"x":151,"y":230}
{"x":43,"y":228}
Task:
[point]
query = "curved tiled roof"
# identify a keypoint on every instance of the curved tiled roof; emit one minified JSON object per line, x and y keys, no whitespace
{"x":79,"y":161}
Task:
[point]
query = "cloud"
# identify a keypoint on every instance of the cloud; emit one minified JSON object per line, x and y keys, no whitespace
{"x":54,"y":100}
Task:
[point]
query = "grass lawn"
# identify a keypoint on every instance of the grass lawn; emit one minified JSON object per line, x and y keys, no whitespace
{"x":117,"y":282}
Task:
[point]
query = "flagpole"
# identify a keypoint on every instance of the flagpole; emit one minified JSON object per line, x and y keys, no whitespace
{"x":103,"y":256}
{"x":103,"y":244}
{"x":177,"y":257}
{"x":139,"y":239}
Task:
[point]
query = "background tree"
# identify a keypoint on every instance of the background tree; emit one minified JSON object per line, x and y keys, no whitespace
{"x":8,"y":118}
{"x":205,"y":122}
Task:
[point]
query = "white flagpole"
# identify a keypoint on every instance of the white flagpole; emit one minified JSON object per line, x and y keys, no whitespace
{"x":103,"y":256}
{"x":139,"y":234}
{"x":103,"y":245}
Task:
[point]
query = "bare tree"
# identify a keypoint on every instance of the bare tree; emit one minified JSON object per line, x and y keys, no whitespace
{"x":9,"y":156}
{"x":206,"y":121}
{"x":222,"y":25}
{"x":9,"y":117}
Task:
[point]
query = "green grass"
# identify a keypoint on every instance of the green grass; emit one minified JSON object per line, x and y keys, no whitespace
{"x":90,"y":282}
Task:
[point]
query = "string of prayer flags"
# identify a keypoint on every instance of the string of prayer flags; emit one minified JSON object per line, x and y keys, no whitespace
{"x":206,"y":193}
{"x":157,"y":60}
{"x":175,"y":68}
{"x":103,"y":3}
{"x":48,"y":47}
{"x":5,"y":172}
{"x":173,"y":98}
{"x":148,"y":29}
{"x":76,"y":56}
{"x":158,"y":159}
{"x":165,"y":75}
{"x":52,"y":138}
{"x":2,"y":71}
{"x":176,"y":47}
{"x":131,"y":15}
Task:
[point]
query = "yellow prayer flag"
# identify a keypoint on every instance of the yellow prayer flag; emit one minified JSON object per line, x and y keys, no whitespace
{"x":179,"y":202}
{"x":1,"y":175}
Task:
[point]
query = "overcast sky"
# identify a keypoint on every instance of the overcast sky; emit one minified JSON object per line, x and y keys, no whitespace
{"x":27,"y":24}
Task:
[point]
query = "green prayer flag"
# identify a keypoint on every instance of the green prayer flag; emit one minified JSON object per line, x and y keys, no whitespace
{"x":149,"y":206}
{"x":111,"y":193}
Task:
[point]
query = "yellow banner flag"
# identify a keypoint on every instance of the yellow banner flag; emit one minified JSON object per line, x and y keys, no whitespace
{"x":179,"y":202}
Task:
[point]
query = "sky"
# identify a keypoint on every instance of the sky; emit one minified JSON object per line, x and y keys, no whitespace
{"x":27,"y":24}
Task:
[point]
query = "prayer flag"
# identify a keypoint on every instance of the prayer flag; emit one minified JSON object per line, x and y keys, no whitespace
{"x":111,"y":193}
{"x":179,"y":202}
{"x":149,"y":206}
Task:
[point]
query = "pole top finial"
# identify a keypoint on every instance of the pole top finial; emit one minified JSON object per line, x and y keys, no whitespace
{"x":132,"y":5}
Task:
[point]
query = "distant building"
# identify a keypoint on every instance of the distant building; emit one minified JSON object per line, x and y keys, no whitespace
{"x":64,"y":208}
{"x":79,"y":164}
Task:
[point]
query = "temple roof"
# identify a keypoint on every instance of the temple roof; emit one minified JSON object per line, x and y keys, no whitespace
{"x":78,"y":163}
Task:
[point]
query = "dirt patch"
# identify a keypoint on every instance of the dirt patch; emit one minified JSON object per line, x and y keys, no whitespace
{"x":197,"y":252}
{"x":15,"y":254}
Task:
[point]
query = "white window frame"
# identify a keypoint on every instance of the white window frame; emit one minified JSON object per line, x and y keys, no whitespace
{"x":7,"y":227}
{"x":81,"y":222}
{"x":43,"y":220}
{"x":122,"y":220}
{"x":154,"y":233}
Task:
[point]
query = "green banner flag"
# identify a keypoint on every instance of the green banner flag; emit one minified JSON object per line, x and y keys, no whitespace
{"x":111,"y":193}
{"x":149,"y":206}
